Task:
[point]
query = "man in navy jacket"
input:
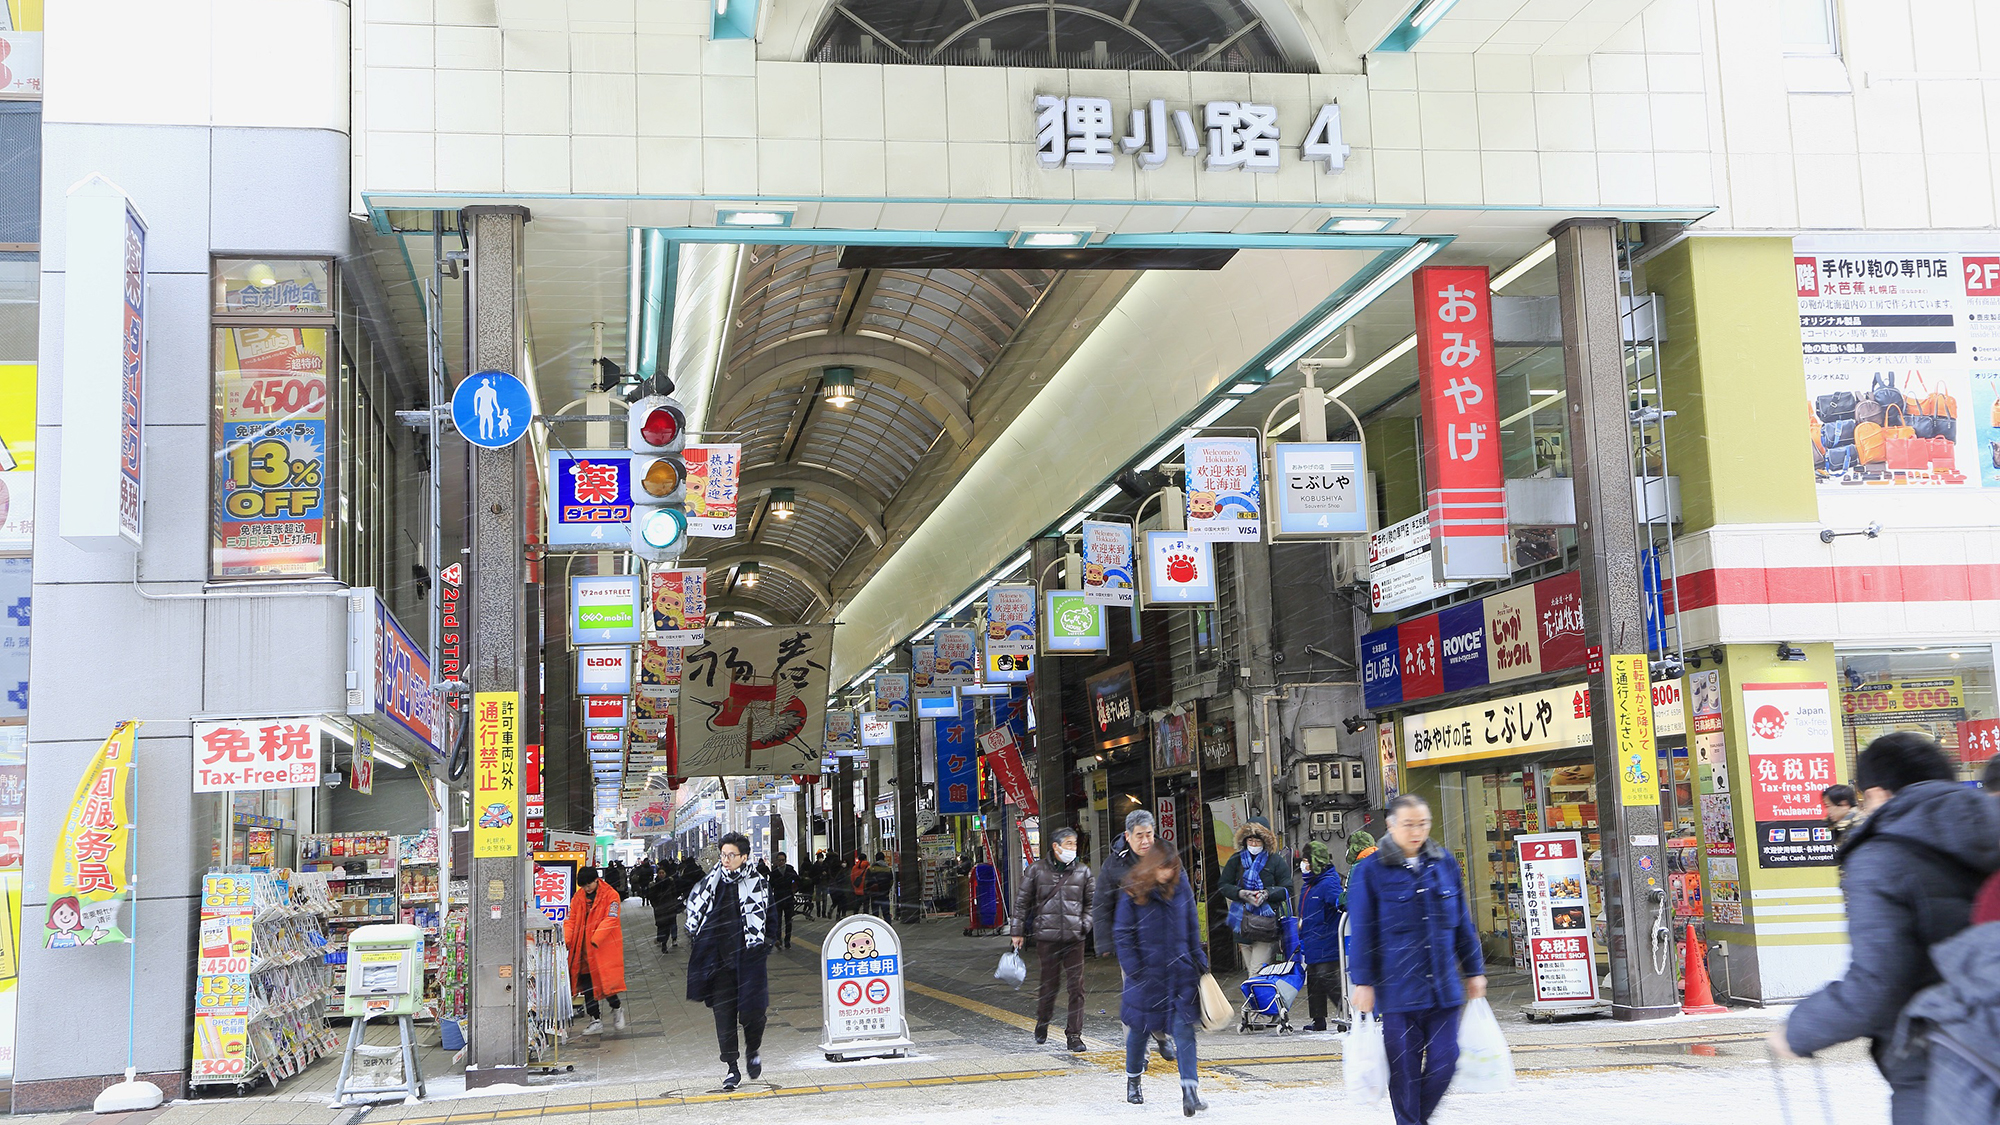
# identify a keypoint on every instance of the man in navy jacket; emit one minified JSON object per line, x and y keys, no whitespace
{"x":1412,"y":938}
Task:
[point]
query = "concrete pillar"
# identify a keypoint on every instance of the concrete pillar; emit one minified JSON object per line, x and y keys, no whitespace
{"x":840,"y":816}
{"x":1600,"y":434}
{"x":499,"y":1039}
{"x":1051,"y":756}
{"x":909,"y":871}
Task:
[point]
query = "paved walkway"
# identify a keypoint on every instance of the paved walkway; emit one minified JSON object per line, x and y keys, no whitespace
{"x":976,"y":1052}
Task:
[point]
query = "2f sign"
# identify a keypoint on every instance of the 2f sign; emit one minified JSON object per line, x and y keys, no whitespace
{"x":1982,"y":276}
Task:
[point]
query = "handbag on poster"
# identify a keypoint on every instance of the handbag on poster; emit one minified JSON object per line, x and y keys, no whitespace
{"x":1835,"y":407}
{"x":1882,"y":388}
{"x":1944,"y":454}
{"x":1870,"y":446}
{"x":1842,"y":458}
{"x":1907,"y":455}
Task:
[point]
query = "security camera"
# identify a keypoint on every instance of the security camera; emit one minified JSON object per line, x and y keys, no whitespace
{"x":1789,"y":651}
{"x":1668,"y":669}
{"x":332,"y":779}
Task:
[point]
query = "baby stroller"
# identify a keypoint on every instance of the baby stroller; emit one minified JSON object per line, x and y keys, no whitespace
{"x":1270,"y":991}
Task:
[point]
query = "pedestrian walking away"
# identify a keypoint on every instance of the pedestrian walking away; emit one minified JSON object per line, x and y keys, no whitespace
{"x":1126,"y":851}
{"x":1257,"y":885}
{"x":726,"y":965}
{"x":596,"y":943}
{"x":880,"y":883}
{"x":665,"y":894}
{"x":1159,"y":947}
{"x":1319,"y":933}
{"x":1412,"y":938}
{"x":784,"y":882}
{"x":1054,"y":907}
{"x":1909,"y":872}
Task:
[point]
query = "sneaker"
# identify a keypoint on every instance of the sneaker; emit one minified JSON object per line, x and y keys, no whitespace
{"x":618,"y":1018}
{"x":596,"y":1028}
{"x":1316,"y":1025}
{"x":756,"y":1066}
{"x":732,"y":1080}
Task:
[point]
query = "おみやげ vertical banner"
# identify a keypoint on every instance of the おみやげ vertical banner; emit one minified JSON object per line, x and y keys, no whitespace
{"x":1461,"y":422}
{"x":90,"y":879}
{"x":496,"y":775}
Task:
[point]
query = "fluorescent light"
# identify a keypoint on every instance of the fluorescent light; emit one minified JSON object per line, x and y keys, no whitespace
{"x":754,"y":216}
{"x":1246,"y":388}
{"x":1106,"y":497}
{"x":1346,"y":310}
{"x":1374,"y":223}
{"x":1378,"y":363}
{"x":390,"y":759}
{"x":1012,"y":565}
{"x":1072,"y":523}
{"x":1165,"y":450}
{"x":927,"y":630}
{"x":1285,"y":427}
{"x":1430,"y":13}
{"x":1514,"y":272}
{"x":1221,"y":407}
{"x":1051,"y":238}
{"x":1543,"y":391}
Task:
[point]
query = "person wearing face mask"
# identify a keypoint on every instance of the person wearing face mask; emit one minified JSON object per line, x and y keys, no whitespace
{"x":1257,"y":885}
{"x":1126,"y":851}
{"x":1054,"y":907}
{"x":726,"y":961}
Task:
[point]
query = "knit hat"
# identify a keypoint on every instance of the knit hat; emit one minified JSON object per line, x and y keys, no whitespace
{"x":1319,"y":855}
{"x":1357,"y":843}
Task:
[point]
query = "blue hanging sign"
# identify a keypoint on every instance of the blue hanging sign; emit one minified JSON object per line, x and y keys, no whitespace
{"x":492,"y":409}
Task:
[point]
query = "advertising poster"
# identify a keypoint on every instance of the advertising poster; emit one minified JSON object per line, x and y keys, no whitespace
{"x":843,"y":732}
{"x":496,"y":774}
{"x":90,"y":876}
{"x":1319,"y":489}
{"x":1180,"y":569}
{"x":222,"y":977}
{"x":1010,"y":630}
{"x":1933,"y":705}
{"x":593,"y":498}
{"x":604,"y":609}
{"x":1457,"y":388}
{"x":271,"y":465}
{"x":1224,"y":488}
{"x":679,"y":600}
{"x":1900,"y":365}
{"x":16,"y":600}
{"x":1385,"y":747}
{"x":923,"y":667}
{"x":1075,"y":623}
{"x":1557,"y":917}
{"x":1718,"y":824}
{"x":362,"y":780}
{"x":712,"y":472}
{"x":258,"y":754}
{"x":892,"y":696}
{"x":957,"y":652}
{"x":17,"y":456}
{"x":659,"y":672}
{"x":1632,"y":725}
{"x":1790,"y":748}
{"x":1174,"y":742}
{"x":1107,"y":563}
{"x":21,"y":50}
{"x":753,"y":702}
{"x":1399,"y":566}
{"x":957,"y":765}
{"x":1725,"y":891}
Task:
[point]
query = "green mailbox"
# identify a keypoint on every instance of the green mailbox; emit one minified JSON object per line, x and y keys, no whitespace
{"x":385,"y":971}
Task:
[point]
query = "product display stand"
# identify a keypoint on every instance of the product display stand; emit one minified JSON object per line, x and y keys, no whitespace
{"x":361,"y":877}
{"x":262,"y":978}
{"x":419,"y":904}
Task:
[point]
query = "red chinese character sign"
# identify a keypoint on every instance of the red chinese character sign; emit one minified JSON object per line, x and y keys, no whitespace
{"x":257,"y":754}
{"x":1455,"y":376}
{"x":1791,"y":751}
{"x":91,"y":875}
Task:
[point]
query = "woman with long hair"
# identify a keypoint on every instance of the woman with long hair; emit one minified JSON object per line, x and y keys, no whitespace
{"x":1159,"y":947}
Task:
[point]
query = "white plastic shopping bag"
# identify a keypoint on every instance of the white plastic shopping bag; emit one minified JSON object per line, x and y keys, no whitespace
{"x":1364,"y":1060}
{"x":1012,"y":969}
{"x":1484,"y":1062}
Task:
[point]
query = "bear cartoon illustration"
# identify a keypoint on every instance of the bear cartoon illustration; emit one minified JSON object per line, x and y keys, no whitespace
{"x":861,"y":945}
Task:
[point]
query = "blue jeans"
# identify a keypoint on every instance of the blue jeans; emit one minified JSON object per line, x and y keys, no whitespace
{"x":1137,"y":1038}
{"x":1423,"y":1055}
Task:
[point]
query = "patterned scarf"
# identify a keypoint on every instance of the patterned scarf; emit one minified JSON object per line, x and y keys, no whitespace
{"x":753,"y":897}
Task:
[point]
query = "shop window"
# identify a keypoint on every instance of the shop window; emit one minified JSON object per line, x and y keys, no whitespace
{"x":1946,"y":692}
{"x":1809,"y":27}
{"x":20,"y":174}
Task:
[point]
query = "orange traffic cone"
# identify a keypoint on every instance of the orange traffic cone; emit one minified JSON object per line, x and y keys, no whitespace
{"x":1698,"y":999}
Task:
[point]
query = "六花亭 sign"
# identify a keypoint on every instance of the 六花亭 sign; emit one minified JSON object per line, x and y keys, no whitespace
{"x":256,"y":754}
{"x":1085,"y":133}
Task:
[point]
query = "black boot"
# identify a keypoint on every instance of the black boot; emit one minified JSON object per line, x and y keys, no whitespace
{"x":1190,"y":1101}
{"x":1132,"y":1093}
{"x":734,"y":1079}
{"x":1041,"y":1033}
{"x":1166,"y":1048}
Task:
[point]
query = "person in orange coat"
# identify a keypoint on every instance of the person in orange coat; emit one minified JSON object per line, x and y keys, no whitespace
{"x":596,"y":949}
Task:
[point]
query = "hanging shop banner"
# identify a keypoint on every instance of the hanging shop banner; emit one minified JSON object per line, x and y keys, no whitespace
{"x":712,"y":472}
{"x":1114,"y":708}
{"x":679,"y":600}
{"x":659,"y":672}
{"x":957,"y":765}
{"x":1107,"y":563}
{"x":258,"y":754}
{"x":1003,"y":755}
{"x":1319,"y":489}
{"x":604,"y":670}
{"x":1400,"y":573}
{"x":1467,"y":497}
{"x":395,"y":698}
{"x":1180,"y":570}
{"x":957,"y":657}
{"x":1526,"y":631}
{"x":861,"y":998}
{"x":271,"y":466}
{"x":604,"y":609}
{"x":496,"y":774}
{"x":1174,"y":742}
{"x":604,"y":711}
{"x":362,"y":778}
{"x":923,"y":667}
{"x":17,"y":456}
{"x":1382,"y":669}
{"x":1010,"y":621}
{"x":891,"y":696}
{"x":593,"y":501}
{"x":1632,"y":727}
{"x":1385,"y":750}
{"x":651,"y":819}
{"x":604,"y":738}
{"x":935,"y":703}
{"x":753,"y":702}
{"x":876,"y":731}
{"x":843,"y":732}
{"x":90,"y":878}
{"x":1224,"y":489}
{"x":1554,"y":719}
{"x":1560,"y":954}
{"x":1898,"y":369}
{"x":1790,"y":745}
{"x":1075,"y":624}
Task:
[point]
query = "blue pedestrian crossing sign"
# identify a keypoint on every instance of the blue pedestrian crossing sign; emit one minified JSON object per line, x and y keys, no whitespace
{"x":492,"y":409}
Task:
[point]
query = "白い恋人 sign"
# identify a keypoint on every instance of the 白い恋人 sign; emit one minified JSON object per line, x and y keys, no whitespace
{"x":256,"y":754}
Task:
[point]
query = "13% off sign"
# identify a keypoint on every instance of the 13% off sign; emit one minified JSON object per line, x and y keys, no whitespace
{"x":274,"y":471}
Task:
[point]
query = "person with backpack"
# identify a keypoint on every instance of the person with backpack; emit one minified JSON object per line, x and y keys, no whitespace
{"x":1909,"y":872}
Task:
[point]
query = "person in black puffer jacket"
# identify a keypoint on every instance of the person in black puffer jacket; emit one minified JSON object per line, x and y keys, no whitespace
{"x":1909,"y":871}
{"x":1054,"y":907}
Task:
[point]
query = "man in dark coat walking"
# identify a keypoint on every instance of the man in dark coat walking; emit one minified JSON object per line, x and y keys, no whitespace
{"x":1909,"y":871}
{"x":784,"y":882}
{"x":726,"y":966}
{"x":1412,"y":937}
{"x":1126,"y":851}
{"x":1054,"y":907}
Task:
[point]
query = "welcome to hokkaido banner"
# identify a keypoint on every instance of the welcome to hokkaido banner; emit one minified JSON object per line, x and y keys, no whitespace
{"x":90,"y":879}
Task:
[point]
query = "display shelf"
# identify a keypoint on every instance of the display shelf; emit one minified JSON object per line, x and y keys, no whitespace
{"x":261,"y":965}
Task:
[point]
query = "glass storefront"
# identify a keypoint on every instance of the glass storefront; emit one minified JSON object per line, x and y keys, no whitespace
{"x":1945,"y":691}
{"x":1486,"y":806}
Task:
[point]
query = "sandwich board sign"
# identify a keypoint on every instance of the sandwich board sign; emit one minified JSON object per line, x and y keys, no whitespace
{"x":861,"y":988}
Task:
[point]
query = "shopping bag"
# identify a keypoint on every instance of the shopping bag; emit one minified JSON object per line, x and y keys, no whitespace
{"x":1364,"y":1060}
{"x":1216,"y":1010}
{"x":1012,"y":969}
{"x":1484,"y":1062}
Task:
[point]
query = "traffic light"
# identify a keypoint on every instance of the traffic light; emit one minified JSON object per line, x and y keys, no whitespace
{"x":655,"y":431}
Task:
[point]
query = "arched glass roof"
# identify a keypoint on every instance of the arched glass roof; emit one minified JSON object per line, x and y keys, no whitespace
{"x":1221,"y":35}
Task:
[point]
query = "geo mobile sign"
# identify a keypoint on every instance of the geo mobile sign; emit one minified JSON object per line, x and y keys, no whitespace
{"x":605,"y":609}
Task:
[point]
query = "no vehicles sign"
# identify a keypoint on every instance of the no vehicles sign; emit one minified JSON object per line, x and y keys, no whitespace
{"x":861,"y":974}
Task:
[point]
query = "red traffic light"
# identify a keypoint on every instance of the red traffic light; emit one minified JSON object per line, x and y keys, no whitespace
{"x":660,"y":426}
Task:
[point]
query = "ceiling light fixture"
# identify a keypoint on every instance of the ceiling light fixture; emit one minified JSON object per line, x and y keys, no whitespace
{"x":1349,"y":308}
{"x":754,"y":215}
{"x":746,"y":574}
{"x":1221,"y":407}
{"x":1377,"y":222}
{"x":836,"y":386}
{"x":1051,"y":238}
{"x":1514,"y":272}
{"x":782,"y":502}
